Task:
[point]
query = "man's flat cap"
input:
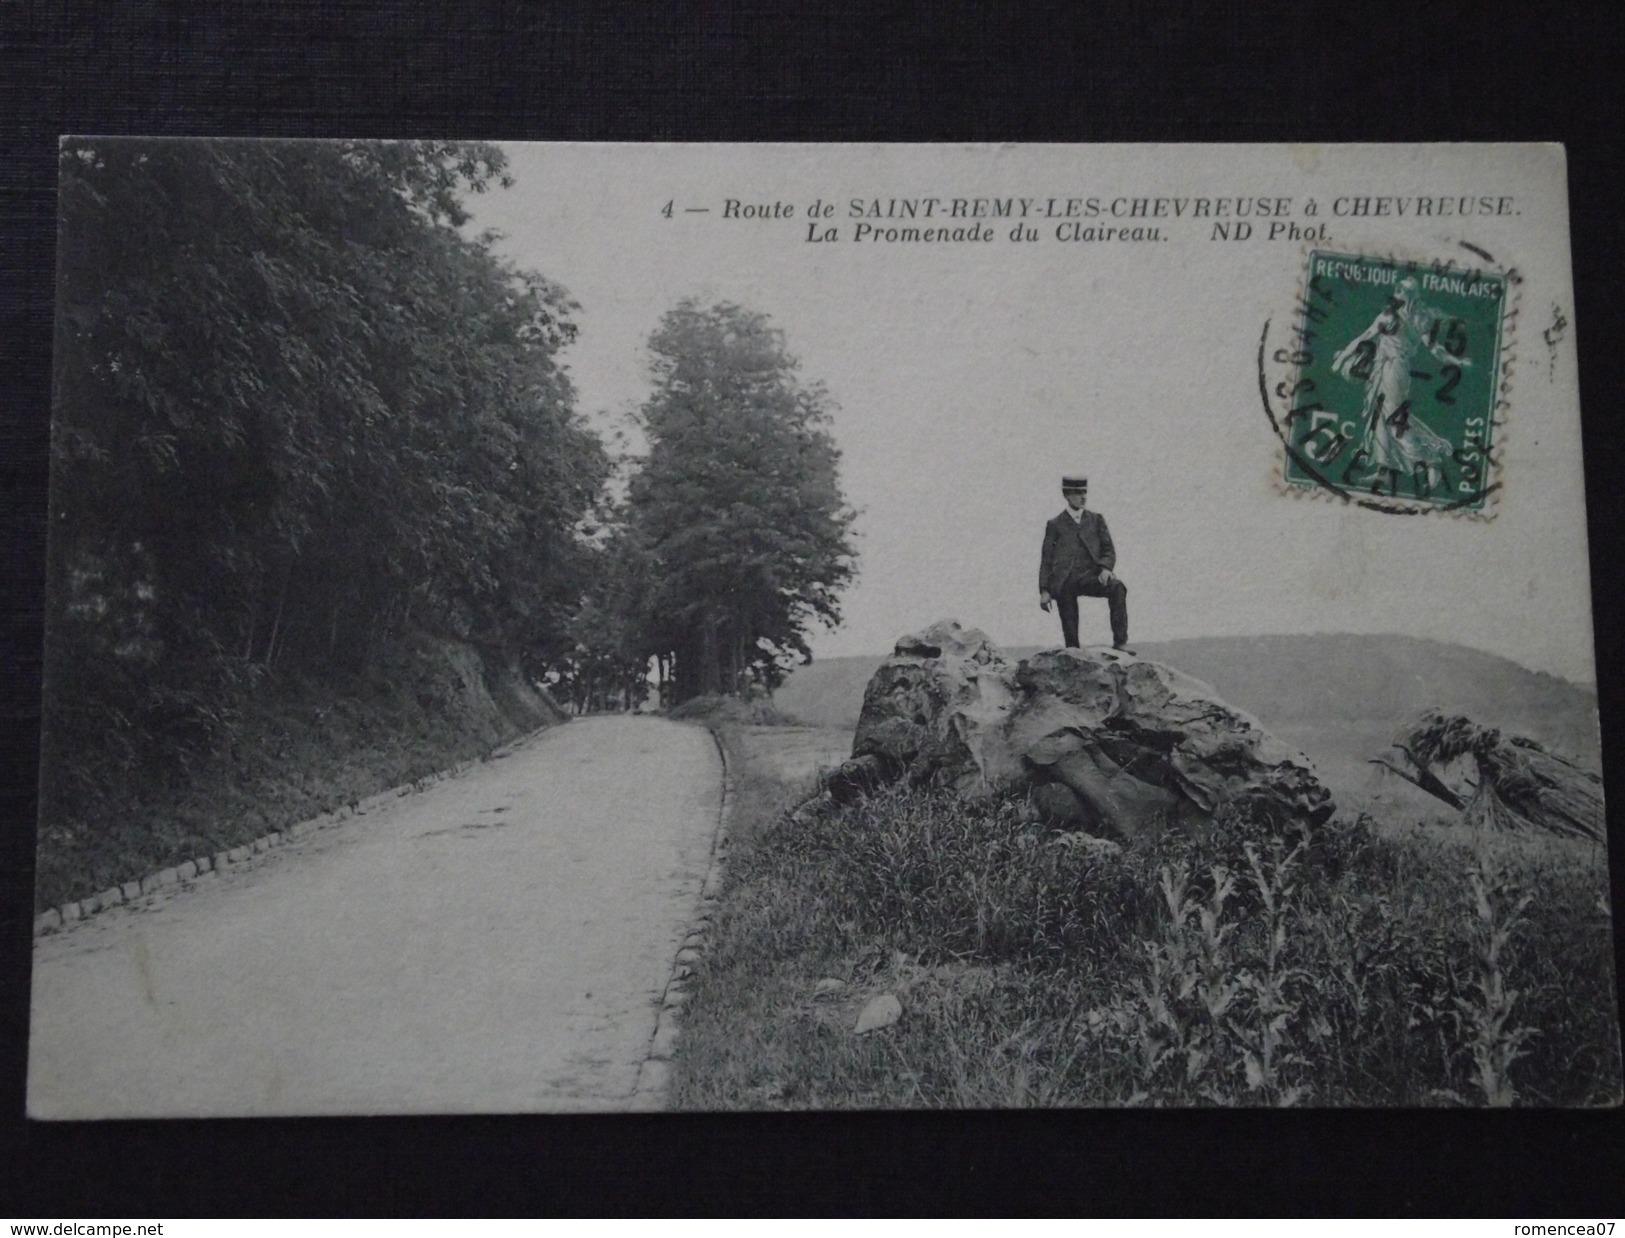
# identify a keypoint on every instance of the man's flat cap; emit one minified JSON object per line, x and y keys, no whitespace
{"x":1074,"y":481}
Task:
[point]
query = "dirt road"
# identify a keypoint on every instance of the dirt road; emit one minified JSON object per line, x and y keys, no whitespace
{"x":496,"y":943}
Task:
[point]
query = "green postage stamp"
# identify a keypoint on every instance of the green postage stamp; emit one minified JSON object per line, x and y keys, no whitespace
{"x":1398,"y":369}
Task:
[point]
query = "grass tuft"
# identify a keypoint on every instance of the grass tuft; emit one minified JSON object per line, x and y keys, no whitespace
{"x":1359,"y":964}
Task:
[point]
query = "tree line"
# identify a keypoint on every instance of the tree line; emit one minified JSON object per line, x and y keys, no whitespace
{"x":734,"y":538}
{"x":300,"y":414}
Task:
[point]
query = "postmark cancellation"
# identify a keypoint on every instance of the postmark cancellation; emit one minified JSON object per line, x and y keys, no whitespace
{"x":1388,"y":388}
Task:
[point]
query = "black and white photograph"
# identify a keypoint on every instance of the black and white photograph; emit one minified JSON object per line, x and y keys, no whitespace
{"x":564,"y":627}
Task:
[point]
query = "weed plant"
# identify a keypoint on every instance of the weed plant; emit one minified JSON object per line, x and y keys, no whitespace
{"x":1240,"y":964}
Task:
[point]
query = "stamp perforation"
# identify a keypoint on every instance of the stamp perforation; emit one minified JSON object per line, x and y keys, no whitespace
{"x":1288,"y":349}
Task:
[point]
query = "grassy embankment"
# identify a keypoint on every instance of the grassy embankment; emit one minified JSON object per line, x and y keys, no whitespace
{"x":1367,"y":963}
{"x":291,"y":750}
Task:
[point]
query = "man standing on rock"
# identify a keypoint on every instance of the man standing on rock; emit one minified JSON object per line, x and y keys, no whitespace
{"x":1078,"y":560}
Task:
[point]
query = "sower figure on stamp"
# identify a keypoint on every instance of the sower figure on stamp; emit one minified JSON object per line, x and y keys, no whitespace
{"x":1078,"y":560}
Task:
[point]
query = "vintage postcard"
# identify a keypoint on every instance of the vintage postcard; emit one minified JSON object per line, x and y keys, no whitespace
{"x":541,"y":628}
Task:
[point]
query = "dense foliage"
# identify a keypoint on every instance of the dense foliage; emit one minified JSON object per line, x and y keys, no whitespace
{"x":299,"y":415}
{"x":324,"y":514}
{"x":1358,"y":964}
{"x":736,"y":522}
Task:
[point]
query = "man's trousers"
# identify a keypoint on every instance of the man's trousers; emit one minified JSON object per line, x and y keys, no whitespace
{"x":1116,"y":595}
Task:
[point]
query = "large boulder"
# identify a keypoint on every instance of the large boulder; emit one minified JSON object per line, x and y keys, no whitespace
{"x":933,"y":708}
{"x":1102,"y":740}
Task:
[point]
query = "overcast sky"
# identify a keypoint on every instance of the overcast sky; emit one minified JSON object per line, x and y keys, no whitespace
{"x":969,"y":377}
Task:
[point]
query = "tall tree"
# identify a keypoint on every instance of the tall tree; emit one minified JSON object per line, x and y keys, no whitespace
{"x":738,"y":504}
{"x":607,"y":665}
{"x":296,"y":408}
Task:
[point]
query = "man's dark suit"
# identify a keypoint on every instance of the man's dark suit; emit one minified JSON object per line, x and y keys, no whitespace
{"x":1075,"y":553}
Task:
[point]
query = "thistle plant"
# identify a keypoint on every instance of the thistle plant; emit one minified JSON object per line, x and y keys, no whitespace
{"x":1180,"y":1002}
{"x":1264,"y":1017}
{"x":1497,"y":907}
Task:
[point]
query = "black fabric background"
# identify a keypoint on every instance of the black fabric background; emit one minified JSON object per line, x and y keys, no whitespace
{"x":731,"y":70}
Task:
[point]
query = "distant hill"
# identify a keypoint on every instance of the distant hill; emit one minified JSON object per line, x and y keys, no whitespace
{"x":1301,"y":687}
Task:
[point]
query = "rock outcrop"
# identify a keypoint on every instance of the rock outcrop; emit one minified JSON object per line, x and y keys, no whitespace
{"x":1498,"y":780}
{"x":1102,"y":740}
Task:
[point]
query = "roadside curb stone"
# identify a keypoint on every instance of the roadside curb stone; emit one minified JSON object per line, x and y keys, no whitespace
{"x":654,"y":1077}
{"x":654,"y":1073}
{"x":55,"y":919}
{"x":665,"y":1041}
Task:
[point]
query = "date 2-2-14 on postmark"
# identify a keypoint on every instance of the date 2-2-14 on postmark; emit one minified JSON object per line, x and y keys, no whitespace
{"x":1391,"y":379}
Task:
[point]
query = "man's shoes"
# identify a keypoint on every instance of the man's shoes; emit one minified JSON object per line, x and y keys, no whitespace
{"x":1122,"y":647}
